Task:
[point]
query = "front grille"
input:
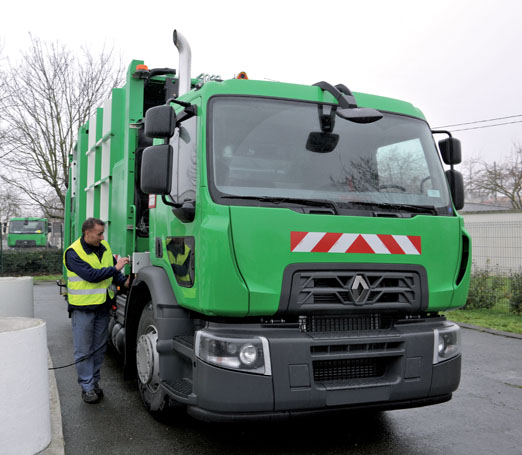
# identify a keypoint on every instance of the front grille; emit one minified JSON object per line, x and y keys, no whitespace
{"x":344,"y":288}
{"x":347,"y":369}
{"x":329,"y":324}
{"x":25,"y":243}
{"x":321,"y":350}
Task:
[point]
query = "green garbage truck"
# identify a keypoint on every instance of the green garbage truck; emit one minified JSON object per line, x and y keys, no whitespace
{"x":294,"y":247}
{"x":30,"y":232}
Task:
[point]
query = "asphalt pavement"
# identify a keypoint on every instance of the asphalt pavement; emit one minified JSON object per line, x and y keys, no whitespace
{"x":484,"y":416}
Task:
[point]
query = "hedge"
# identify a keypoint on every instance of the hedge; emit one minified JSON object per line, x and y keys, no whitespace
{"x":488,"y":291}
{"x":31,"y":262}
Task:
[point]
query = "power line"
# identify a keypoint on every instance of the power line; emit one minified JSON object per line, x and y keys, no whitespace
{"x":481,"y":121}
{"x":486,"y":126}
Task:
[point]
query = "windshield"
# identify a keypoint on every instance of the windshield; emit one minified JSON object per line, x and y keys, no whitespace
{"x":288,"y":149}
{"x":26,"y":227}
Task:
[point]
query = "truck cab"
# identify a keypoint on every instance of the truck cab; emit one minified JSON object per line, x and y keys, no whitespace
{"x":336,"y":239}
{"x":28,"y":233}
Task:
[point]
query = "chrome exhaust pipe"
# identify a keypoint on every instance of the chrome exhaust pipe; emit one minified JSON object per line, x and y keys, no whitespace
{"x":185,"y":58}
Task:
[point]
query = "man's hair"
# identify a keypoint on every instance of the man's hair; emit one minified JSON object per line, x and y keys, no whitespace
{"x":89,"y":223}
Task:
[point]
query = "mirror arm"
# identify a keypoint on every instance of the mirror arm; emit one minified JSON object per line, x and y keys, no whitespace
{"x":170,"y":203}
{"x":187,"y":212}
{"x":176,"y":101}
{"x":345,"y":101}
{"x":190,"y":109}
{"x":441,"y":132}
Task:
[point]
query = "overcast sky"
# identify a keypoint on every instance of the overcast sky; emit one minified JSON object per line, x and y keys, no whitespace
{"x":458,"y":61}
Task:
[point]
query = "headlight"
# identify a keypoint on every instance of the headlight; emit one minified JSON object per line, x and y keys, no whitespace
{"x":446,"y":343}
{"x":244,"y":354}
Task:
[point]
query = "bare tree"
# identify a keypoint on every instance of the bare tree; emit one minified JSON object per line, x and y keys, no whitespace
{"x":469,"y":172}
{"x":498,"y":179}
{"x":44,"y":99}
{"x":2,"y":95}
{"x":10,"y":204}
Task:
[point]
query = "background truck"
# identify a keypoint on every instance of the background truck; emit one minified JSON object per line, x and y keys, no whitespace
{"x":293,"y":247}
{"x":28,"y":233}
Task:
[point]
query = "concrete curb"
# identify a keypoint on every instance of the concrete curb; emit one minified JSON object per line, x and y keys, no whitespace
{"x":57,"y":445}
{"x":491,"y":331}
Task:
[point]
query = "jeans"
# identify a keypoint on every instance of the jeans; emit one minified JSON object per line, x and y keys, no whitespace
{"x":89,"y":334}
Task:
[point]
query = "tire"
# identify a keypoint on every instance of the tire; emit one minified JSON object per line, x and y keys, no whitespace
{"x":153,"y":396}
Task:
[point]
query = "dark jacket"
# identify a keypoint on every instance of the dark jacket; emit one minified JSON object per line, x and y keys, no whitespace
{"x":86,"y":272}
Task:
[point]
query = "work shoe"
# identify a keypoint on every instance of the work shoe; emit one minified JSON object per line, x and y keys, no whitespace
{"x":90,"y":396}
{"x":98,"y":390}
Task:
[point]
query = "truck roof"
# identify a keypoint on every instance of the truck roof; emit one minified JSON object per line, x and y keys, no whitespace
{"x":29,"y":218}
{"x":303,"y":92}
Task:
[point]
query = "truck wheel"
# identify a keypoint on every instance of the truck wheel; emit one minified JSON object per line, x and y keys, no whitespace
{"x":147,"y":363}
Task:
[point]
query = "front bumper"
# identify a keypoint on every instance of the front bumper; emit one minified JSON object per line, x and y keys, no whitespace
{"x":311,"y":373}
{"x":25,"y":244}
{"x":229,"y":417}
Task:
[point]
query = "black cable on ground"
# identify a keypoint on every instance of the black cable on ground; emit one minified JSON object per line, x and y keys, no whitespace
{"x":81,"y":359}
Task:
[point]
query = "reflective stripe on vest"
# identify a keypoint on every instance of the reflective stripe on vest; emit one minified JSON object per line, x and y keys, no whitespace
{"x":180,"y":260}
{"x":87,"y":291}
{"x":82,"y":292}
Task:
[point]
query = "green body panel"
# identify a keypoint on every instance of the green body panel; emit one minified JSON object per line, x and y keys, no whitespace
{"x":94,"y":164}
{"x":39,"y":239}
{"x":102,"y":184}
{"x":123,"y":212}
{"x":28,"y":235}
{"x":76,"y":198}
{"x":262,"y":236}
{"x":240,"y":252}
{"x":219,"y":288}
{"x":116,"y":199}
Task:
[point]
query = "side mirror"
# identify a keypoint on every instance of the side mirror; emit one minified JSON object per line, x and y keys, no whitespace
{"x":450,"y":151}
{"x":456,"y":184}
{"x":160,"y":122}
{"x":156,"y":169}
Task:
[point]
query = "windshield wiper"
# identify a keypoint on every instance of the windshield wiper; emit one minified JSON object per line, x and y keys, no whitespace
{"x":279,"y":200}
{"x":401,"y":207}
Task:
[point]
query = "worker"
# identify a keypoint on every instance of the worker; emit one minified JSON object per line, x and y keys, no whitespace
{"x":91,"y":273}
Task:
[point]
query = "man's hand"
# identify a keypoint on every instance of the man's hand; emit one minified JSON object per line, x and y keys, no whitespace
{"x":122,"y":262}
{"x":127,"y":282}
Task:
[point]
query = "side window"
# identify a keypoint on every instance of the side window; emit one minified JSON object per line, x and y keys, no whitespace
{"x":184,"y":143}
{"x":402,"y":167}
{"x":180,"y":253}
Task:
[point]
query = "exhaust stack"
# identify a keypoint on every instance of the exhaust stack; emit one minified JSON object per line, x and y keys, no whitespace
{"x":185,"y":58}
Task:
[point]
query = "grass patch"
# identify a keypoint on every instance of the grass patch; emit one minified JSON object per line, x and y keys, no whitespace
{"x":491,"y":319}
{"x":44,"y":278}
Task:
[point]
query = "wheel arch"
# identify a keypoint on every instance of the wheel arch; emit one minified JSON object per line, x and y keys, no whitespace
{"x":151,"y":284}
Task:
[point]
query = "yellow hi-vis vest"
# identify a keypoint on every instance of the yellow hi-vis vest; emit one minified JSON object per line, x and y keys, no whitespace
{"x":81,"y":292}
{"x":180,"y":260}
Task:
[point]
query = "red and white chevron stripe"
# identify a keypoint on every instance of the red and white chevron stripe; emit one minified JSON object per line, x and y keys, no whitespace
{"x":334,"y":242}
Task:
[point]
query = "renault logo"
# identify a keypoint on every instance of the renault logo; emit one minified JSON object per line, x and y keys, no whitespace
{"x":360,"y":289}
